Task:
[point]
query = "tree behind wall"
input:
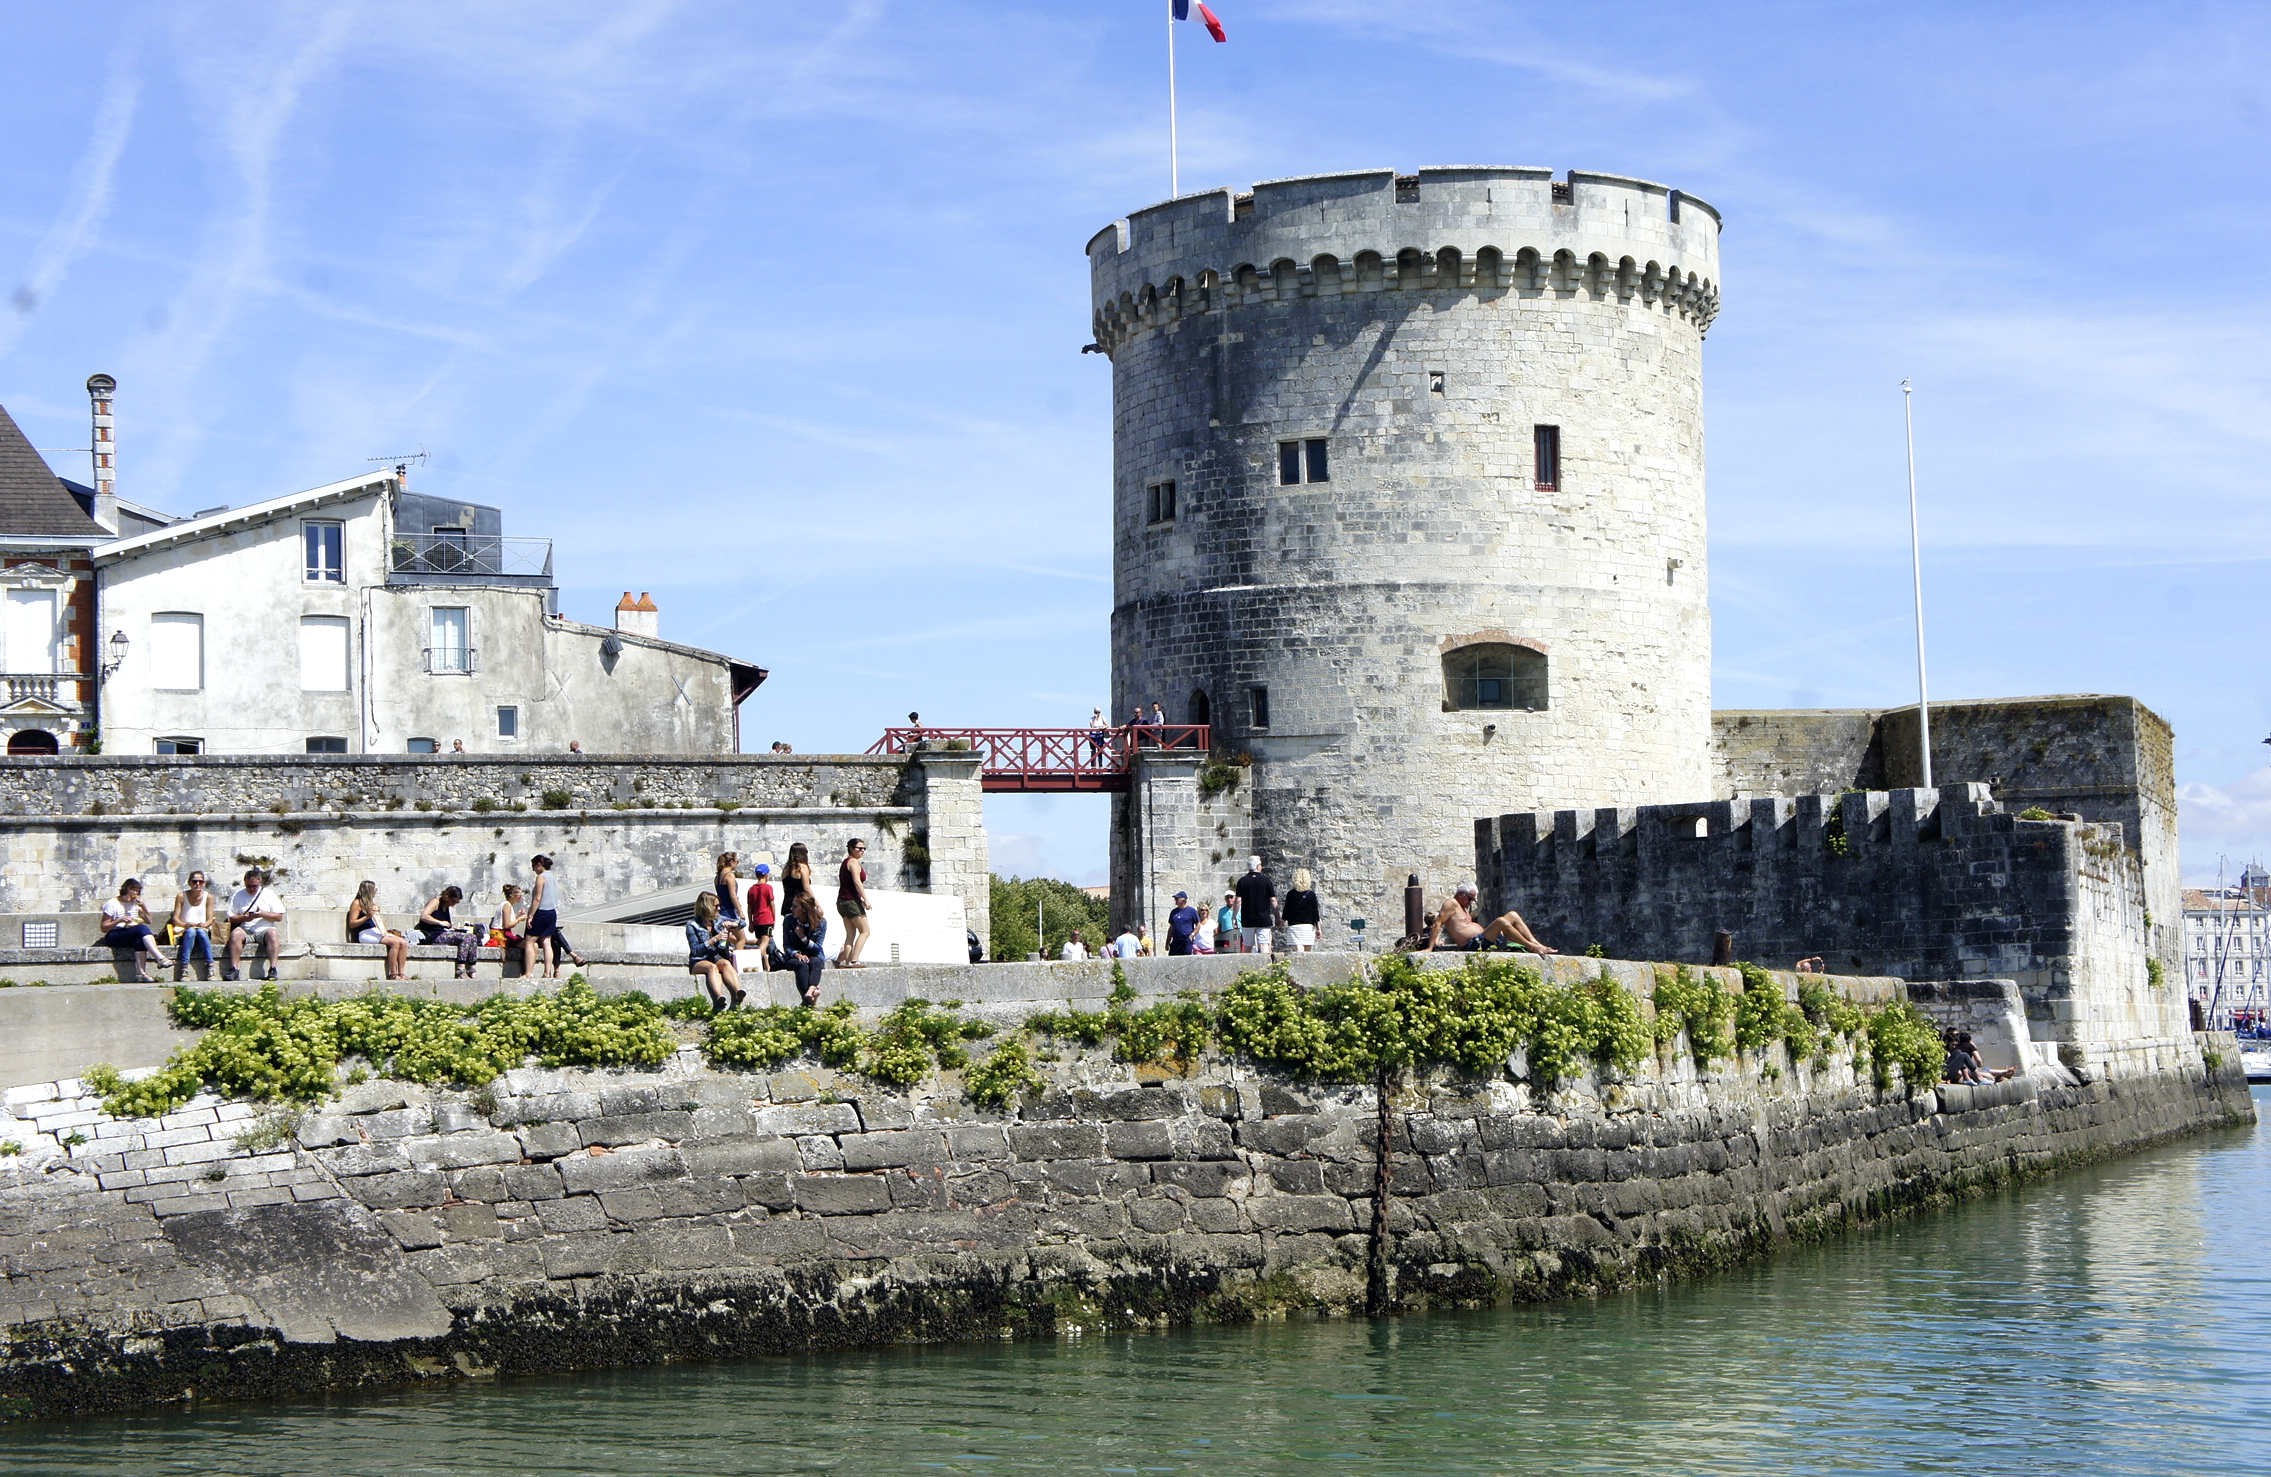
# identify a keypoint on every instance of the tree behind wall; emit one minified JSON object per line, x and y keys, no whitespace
{"x":1064,"y":908}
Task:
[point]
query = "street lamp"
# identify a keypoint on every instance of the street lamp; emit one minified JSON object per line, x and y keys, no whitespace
{"x":118,"y":644}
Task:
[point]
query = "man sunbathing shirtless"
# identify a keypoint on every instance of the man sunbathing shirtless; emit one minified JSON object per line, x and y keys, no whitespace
{"x":1455,"y":926}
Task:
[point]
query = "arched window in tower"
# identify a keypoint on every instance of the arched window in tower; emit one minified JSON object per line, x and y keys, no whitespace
{"x":1494,"y":674}
{"x":1198,"y":710}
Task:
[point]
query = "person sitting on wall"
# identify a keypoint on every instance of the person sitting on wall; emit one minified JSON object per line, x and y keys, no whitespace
{"x":435,"y":926}
{"x":1811,"y":964}
{"x":365,"y":926}
{"x":506,"y":924}
{"x":709,"y":955}
{"x":126,"y":925}
{"x":1980,"y":1071}
{"x":1455,"y":927}
{"x":193,"y":927}
{"x":804,"y":944}
{"x":256,"y":916}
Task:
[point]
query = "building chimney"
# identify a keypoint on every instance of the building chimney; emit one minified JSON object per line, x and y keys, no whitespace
{"x":637,"y":617}
{"x":100,"y":388}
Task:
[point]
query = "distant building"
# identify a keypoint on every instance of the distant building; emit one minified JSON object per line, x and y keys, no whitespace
{"x":49,"y":525}
{"x":358,"y":617}
{"x":2227,"y":943}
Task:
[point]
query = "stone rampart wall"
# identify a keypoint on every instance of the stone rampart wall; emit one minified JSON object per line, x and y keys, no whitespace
{"x":71,"y":829}
{"x":1916,"y":883}
{"x":2104,"y":758}
{"x":574,"y":1219}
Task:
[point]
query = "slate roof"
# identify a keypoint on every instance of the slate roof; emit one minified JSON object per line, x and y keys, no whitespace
{"x":33,"y":500}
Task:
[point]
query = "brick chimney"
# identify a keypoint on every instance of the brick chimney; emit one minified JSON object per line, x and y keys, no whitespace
{"x":100,"y":388}
{"x":638,"y":617}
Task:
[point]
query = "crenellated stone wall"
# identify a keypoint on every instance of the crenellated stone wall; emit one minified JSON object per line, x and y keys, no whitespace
{"x":1922,"y":884}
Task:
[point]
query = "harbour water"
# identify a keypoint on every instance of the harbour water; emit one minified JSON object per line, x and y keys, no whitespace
{"x":2116,"y":1320}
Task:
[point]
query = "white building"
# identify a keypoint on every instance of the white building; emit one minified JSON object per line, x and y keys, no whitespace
{"x":363,"y":618}
{"x":2227,"y":944}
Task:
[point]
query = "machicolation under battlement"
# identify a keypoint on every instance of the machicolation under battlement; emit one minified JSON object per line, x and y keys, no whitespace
{"x":1453,"y":228}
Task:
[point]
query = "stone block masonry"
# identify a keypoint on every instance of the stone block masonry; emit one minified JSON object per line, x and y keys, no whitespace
{"x":1408,"y":341}
{"x":1921,"y":884}
{"x":2103,"y":758}
{"x":71,"y":828}
{"x":560,"y":1220}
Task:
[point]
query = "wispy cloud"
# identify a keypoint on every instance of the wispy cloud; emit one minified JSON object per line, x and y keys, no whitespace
{"x":96,"y":173}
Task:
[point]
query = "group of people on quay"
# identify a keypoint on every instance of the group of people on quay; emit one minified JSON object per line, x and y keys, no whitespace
{"x":251,"y":923}
{"x":1255,"y":917}
{"x":783,"y":924}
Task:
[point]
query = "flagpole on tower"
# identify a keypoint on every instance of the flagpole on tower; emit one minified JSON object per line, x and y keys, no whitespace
{"x":1174,"y":162}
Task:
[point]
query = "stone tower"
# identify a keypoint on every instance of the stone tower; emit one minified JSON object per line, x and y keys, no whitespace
{"x":1408,"y":503}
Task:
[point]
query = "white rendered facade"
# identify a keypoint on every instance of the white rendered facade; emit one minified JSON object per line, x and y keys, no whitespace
{"x":2227,"y":947}
{"x":312,"y":624}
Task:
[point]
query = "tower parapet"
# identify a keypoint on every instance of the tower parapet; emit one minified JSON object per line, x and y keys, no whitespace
{"x":1484,"y":229}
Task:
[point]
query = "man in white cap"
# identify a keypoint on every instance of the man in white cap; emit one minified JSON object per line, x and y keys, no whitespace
{"x":1182,"y":924}
{"x":1257,"y":908}
{"x":1455,"y":926}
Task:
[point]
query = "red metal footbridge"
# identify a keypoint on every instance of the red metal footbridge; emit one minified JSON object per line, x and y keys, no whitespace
{"x":1051,"y":760}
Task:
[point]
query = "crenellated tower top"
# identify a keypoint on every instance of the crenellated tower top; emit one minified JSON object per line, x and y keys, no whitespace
{"x":1457,"y":227}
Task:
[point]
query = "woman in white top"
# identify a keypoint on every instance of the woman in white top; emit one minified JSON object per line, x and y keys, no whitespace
{"x":126,"y":925}
{"x":1075,"y":948}
{"x":193,"y":925}
{"x":365,"y":926}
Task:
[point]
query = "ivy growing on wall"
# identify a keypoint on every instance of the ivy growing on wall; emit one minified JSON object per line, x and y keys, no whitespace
{"x":1396,"y":1016}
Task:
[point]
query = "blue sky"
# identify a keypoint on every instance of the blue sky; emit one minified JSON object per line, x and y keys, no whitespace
{"x":775,"y":309}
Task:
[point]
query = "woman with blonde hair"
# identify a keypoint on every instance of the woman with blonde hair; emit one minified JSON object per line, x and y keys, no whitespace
{"x":709,"y":955}
{"x":365,"y":926}
{"x":1301,"y":912}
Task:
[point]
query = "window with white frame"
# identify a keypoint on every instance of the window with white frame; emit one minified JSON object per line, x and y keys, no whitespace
{"x":181,"y":744}
{"x":323,"y":653}
{"x":424,"y":746}
{"x":177,"y":652}
{"x":326,"y":546}
{"x":449,"y":639}
{"x":327,"y":746}
{"x":508,"y":722}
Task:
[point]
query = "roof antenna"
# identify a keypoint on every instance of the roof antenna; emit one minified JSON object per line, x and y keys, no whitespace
{"x":401,"y":461}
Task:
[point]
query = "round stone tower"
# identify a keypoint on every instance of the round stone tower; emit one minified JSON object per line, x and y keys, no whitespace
{"x":1408,"y":504}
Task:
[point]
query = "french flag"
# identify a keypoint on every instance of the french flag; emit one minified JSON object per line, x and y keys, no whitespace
{"x":1212,"y":21}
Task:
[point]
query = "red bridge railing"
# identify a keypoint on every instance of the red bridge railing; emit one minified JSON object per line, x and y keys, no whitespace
{"x":1051,"y":759}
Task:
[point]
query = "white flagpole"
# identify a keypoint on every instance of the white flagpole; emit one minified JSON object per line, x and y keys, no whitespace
{"x":1174,"y":162}
{"x":1916,"y":568}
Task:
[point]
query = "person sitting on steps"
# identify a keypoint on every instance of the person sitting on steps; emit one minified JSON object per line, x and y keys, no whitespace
{"x":1455,"y":927}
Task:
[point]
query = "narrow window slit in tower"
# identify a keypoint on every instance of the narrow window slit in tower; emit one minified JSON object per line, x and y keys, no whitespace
{"x":1258,"y":707}
{"x":1159,"y":502}
{"x":1435,"y":382}
{"x":1547,"y":440}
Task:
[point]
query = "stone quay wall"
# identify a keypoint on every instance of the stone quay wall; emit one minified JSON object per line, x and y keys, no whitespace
{"x":560,"y":1220}
{"x":1920,"y":884}
{"x":71,"y":829}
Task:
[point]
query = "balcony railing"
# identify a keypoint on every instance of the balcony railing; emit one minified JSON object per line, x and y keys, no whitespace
{"x":469,"y":557}
{"x":449,"y":661}
{"x":42,"y":686}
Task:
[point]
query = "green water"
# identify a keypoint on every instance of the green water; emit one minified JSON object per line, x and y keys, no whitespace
{"x":2117,"y":1320}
